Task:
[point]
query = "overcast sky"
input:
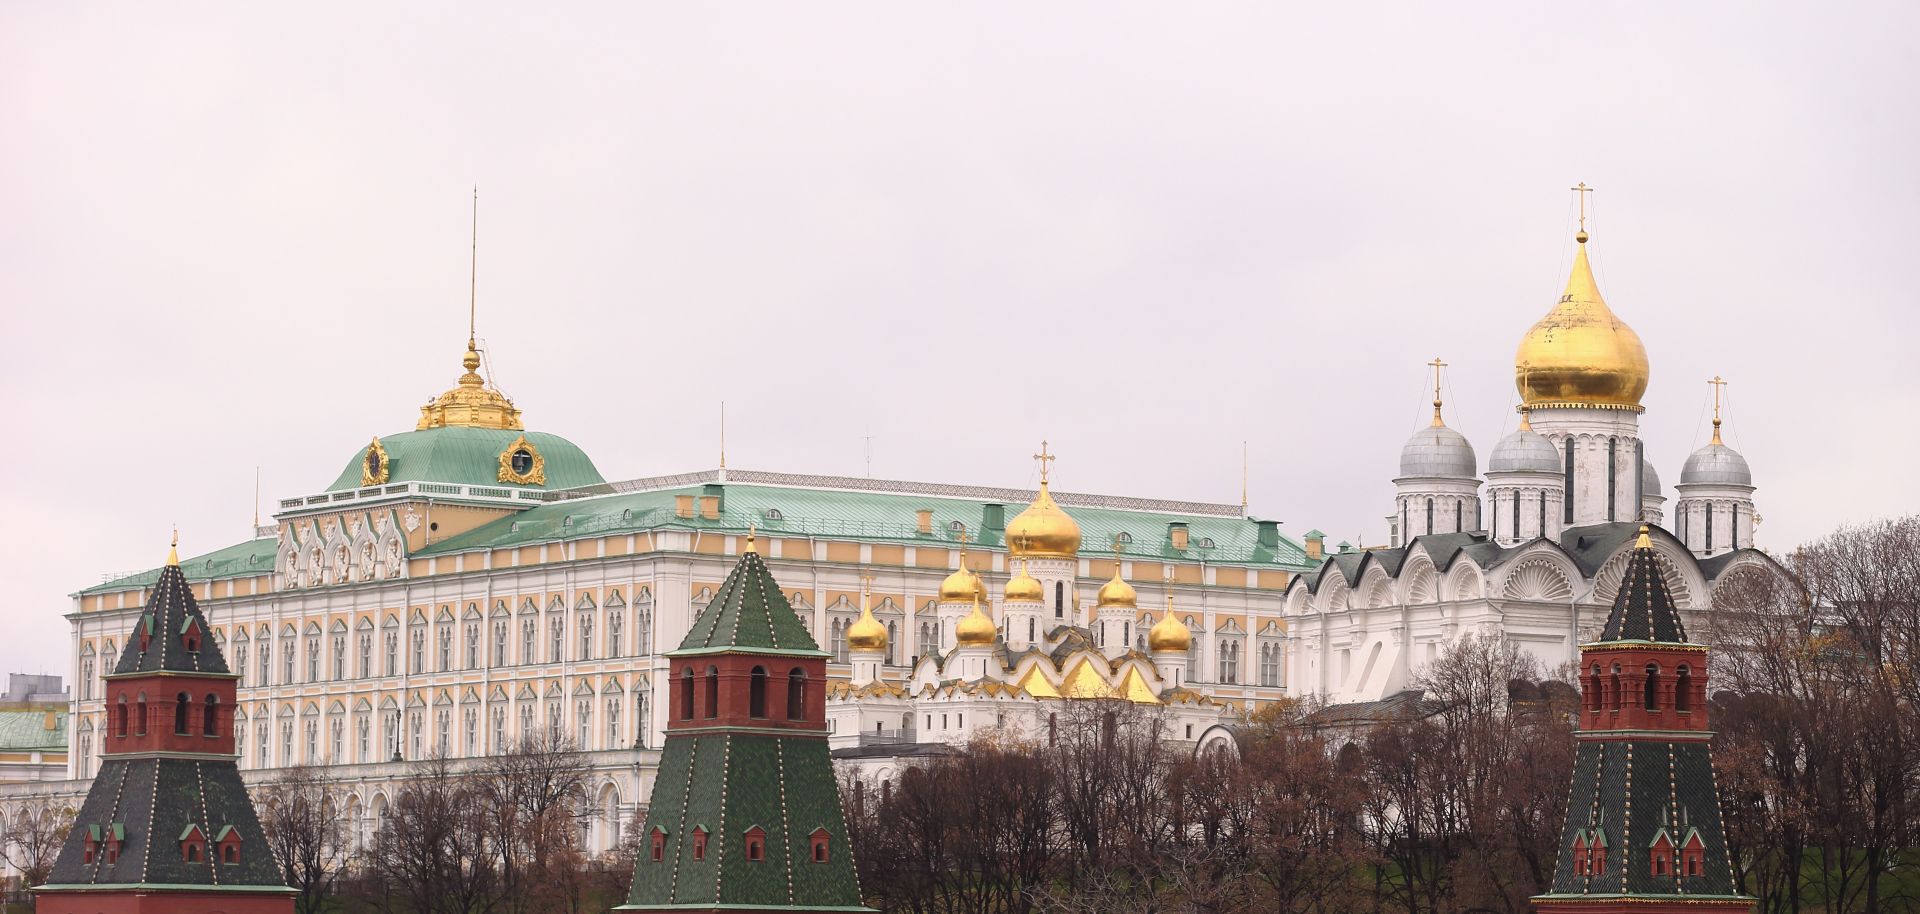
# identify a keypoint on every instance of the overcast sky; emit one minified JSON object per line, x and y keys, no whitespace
{"x":237,"y":236}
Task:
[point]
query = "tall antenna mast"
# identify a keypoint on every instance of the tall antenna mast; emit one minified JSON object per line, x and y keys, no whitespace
{"x":473,"y":271}
{"x":1243,"y":476}
{"x":256,"y":498}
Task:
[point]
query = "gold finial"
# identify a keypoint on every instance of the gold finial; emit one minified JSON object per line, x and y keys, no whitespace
{"x":173,"y":551}
{"x":1646,"y":539}
{"x":1526,"y":418}
{"x":1581,"y":191}
{"x":473,"y":273}
{"x":750,"y":536}
{"x":1243,"y":476}
{"x":1437,"y":365}
{"x":1719,"y":384}
{"x":1044,"y":458}
{"x":723,"y":434}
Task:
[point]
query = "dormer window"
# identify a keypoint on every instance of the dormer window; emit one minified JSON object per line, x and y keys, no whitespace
{"x":1661,"y":853}
{"x":1693,"y":856}
{"x":756,"y":844}
{"x":699,"y":842}
{"x":190,"y":635}
{"x":659,"y":844}
{"x":228,"y":841}
{"x":193,"y":844}
{"x":819,"y":845}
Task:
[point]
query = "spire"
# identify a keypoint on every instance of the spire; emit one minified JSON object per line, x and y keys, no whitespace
{"x":471,"y":403}
{"x":749,"y":614}
{"x":173,"y":551}
{"x":1644,"y":609}
{"x":1437,"y":365}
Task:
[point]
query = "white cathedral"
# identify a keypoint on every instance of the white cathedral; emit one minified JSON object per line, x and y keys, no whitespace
{"x":1537,"y":558}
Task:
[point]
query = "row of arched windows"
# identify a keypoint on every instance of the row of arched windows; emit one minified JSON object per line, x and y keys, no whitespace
{"x":134,"y":717}
{"x":709,"y":689}
{"x":1605,"y":691}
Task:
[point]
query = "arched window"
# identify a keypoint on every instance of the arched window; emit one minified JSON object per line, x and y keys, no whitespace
{"x":180,"y":703}
{"x":120,"y":718}
{"x":1709,"y":510}
{"x":140,"y":715}
{"x":1053,"y":729}
{"x":713,"y":692}
{"x":1429,"y":515}
{"x":1613,"y":475}
{"x":797,"y":694}
{"x":1515,"y":532}
{"x":757,"y":692}
{"x":1651,"y":700}
{"x":1614,"y":698}
{"x":686,"y":694}
{"x":210,"y":721}
{"x":1032,"y":625}
{"x":1595,"y":698}
{"x":1683,"y":690}
{"x":1059,"y":599}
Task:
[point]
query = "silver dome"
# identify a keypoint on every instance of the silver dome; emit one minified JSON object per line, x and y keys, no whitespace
{"x":1524,"y":451}
{"x":1716,"y":464}
{"x":1439,"y":451}
{"x":1649,"y":480}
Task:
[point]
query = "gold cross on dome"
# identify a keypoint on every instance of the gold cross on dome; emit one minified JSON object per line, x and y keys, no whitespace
{"x":1044,"y":458}
{"x":1719,"y":384}
{"x":1581,"y":191}
{"x":1437,"y":365}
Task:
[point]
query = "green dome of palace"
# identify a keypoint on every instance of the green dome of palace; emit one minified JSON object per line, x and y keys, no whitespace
{"x":458,"y":455}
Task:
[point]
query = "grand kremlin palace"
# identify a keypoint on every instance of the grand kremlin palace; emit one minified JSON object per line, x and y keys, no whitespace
{"x":467,"y":581}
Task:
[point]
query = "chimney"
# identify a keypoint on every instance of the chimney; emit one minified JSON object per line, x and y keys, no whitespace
{"x":710,"y":507}
{"x":1177,"y":532}
{"x":53,"y":722}
{"x":993,"y":518}
{"x":1269,"y":533}
{"x":683,"y":506}
{"x":1316,"y":545}
{"x":925,"y":522}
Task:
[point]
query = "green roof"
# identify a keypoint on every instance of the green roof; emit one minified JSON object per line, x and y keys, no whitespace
{"x":242,"y":560}
{"x":749,"y":612}
{"x":470,"y":456}
{"x":21,"y":730}
{"x":873,"y":516}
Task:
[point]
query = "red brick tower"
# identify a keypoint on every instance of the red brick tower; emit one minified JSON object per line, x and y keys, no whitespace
{"x":1643,"y":822}
{"x":168,"y":827}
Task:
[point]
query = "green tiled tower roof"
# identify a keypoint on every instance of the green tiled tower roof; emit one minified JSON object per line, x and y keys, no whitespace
{"x":169,"y":611}
{"x":1643,"y":610}
{"x":749,"y":615}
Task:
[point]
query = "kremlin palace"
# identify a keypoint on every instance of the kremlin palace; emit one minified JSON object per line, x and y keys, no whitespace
{"x":465,"y":581}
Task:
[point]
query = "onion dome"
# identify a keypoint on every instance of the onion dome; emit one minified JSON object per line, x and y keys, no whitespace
{"x":1043,"y":530}
{"x":1438,"y":451}
{"x":1524,"y":451}
{"x":1580,"y":354}
{"x":1117,"y":592}
{"x":962,"y":585}
{"x":471,"y":403}
{"x":1169,"y":636}
{"x":976,"y":630}
{"x":866,"y":633}
{"x":1025,"y":588}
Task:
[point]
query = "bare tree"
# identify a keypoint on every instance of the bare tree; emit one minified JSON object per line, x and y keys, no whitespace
{"x":534,"y":795}
{"x":39,"y":829}
{"x":300,"y":812}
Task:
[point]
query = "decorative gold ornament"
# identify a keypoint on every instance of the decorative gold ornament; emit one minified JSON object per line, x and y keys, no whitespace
{"x":1025,"y":588}
{"x":471,"y":403}
{"x":521,"y":464}
{"x":976,"y":630}
{"x":1117,"y":592}
{"x":1581,"y":355}
{"x":373,"y":464}
{"x":1169,"y":635}
{"x":962,"y":585}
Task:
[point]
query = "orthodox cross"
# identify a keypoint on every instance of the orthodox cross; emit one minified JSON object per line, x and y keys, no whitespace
{"x":1719,"y":384}
{"x":1437,"y":365}
{"x":1580,"y":191}
{"x":1044,"y":458}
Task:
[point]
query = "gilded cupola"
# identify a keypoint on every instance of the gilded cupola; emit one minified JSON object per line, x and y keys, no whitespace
{"x":1117,"y":592}
{"x":1581,"y":354}
{"x":1043,"y":530}
{"x":866,"y":633}
{"x":1169,"y":635}
{"x":962,"y":585}
{"x":471,"y":403}
{"x":976,"y":630}
{"x":1025,"y":588}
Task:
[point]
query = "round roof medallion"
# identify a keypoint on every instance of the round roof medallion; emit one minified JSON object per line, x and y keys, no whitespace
{"x":373,"y":464}
{"x":521,"y":464}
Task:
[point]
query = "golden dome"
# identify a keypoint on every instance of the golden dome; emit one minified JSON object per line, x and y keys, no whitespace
{"x":1025,"y":588}
{"x":866,"y":633}
{"x":976,"y":630}
{"x":1043,"y":530}
{"x":962,"y":585}
{"x":1117,"y":592}
{"x":1580,"y":354}
{"x":471,"y":403}
{"x":1169,"y":636}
